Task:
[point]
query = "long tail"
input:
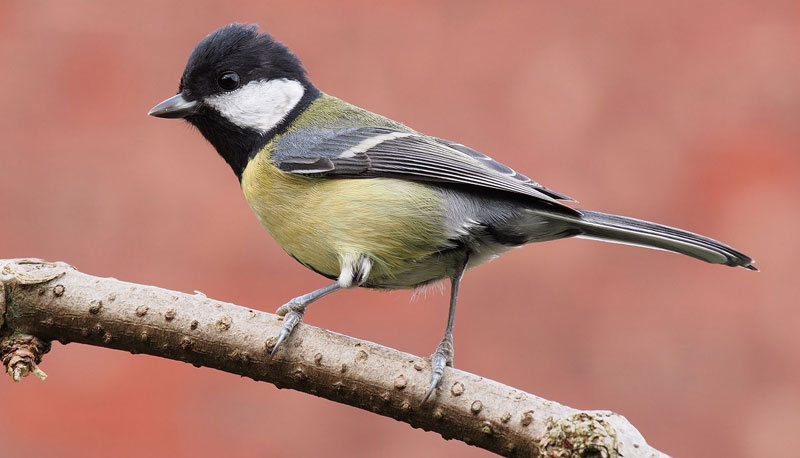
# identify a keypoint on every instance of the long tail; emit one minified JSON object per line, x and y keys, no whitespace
{"x":631,"y":231}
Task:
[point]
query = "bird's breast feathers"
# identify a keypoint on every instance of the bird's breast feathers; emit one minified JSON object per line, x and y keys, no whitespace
{"x":322,"y":222}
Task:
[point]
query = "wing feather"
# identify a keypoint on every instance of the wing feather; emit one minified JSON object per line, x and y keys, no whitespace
{"x":385,"y":152}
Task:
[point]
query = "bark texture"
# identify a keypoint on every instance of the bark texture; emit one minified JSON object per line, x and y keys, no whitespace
{"x":41,"y":302}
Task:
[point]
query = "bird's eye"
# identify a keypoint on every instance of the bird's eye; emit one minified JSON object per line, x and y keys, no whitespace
{"x":228,"y":81}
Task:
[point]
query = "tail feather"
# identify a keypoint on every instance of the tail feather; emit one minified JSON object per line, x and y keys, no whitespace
{"x":622,"y":229}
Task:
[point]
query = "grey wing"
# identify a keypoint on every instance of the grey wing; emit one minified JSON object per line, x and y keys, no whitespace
{"x":385,"y":152}
{"x":504,"y":169}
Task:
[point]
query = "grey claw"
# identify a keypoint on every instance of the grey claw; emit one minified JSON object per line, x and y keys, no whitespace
{"x":290,"y":320}
{"x":281,"y":337}
{"x":435,"y":380}
{"x":284,"y":309}
{"x":443,"y":356}
{"x":438,"y":362}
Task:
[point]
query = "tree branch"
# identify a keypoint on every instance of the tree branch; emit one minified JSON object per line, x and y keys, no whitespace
{"x":41,"y":302}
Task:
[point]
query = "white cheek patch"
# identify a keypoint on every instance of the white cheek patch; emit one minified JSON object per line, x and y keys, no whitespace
{"x":258,"y":105}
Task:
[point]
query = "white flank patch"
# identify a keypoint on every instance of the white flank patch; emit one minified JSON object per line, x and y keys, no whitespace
{"x":352,"y":266}
{"x":371,"y":142}
{"x":259,"y":105}
{"x":364,"y":267}
{"x":345,"y":279}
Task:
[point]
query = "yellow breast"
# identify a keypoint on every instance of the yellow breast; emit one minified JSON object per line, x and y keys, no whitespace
{"x":322,"y":221}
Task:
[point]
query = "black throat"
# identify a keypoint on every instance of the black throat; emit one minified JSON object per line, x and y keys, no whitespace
{"x":237,"y":145}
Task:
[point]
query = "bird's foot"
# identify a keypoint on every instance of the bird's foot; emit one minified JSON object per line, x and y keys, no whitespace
{"x":292,"y":313}
{"x":443,"y":356}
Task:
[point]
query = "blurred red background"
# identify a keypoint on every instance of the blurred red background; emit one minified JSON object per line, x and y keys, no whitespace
{"x":682,"y":112}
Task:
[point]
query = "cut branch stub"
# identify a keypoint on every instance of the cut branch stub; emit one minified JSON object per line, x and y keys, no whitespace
{"x":21,"y":355}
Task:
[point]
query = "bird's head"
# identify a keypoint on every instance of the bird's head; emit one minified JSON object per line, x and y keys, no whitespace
{"x":239,"y":88}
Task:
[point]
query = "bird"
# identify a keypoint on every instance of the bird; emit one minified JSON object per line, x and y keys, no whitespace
{"x":370,"y":202}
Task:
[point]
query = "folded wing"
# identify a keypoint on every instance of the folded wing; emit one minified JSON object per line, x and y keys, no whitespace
{"x":370,"y":152}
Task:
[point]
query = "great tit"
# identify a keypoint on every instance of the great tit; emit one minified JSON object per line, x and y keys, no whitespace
{"x":367,"y":201}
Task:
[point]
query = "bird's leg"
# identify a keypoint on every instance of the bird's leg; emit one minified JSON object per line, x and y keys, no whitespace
{"x":293,"y":311}
{"x":443,"y":356}
{"x":355,"y":270}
